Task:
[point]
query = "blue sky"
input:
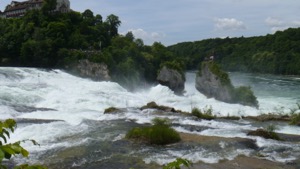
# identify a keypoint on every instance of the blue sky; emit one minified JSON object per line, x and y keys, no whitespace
{"x":173,"y":21}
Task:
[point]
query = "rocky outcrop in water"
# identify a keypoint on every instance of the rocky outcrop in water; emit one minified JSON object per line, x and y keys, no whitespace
{"x":172,"y":79}
{"x":211,"y":85}
{"x":95,"y":71}
{"x":213,"y":82}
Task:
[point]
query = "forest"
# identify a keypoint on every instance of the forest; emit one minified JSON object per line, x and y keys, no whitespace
{"x":54,"y":40}
{"x":278,"y":53}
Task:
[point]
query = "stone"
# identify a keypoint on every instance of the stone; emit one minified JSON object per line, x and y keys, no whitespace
{"x":87,"y":69}
{"x":215,"y":83}
{"x":211,"y":85}
{"x":172,"y":79}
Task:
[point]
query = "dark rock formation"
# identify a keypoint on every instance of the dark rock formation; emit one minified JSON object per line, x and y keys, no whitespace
{"x":95,"y":71}
{"x":171,"y":78}
{"x":213,"y":82}
{"x":112,"y":110}
{"x":211,"y":85}
{"x":153,"y":105}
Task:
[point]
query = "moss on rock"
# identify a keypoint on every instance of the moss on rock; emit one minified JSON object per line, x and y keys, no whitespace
{"x":265,"y":134}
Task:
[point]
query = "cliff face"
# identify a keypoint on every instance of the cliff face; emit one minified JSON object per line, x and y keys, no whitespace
{"x":94,"y":71}
{"x":213,"y":82}
{"x":171,"y":78}
{"x":211,"y":85}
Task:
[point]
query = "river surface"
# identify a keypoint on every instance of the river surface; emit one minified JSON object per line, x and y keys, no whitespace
{"x":77,"y":133}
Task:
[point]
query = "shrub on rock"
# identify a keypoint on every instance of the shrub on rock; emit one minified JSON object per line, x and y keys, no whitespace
{"x":159,"y":134}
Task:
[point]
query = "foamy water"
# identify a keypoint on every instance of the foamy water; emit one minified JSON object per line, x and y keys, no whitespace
{"x":71,"y":101}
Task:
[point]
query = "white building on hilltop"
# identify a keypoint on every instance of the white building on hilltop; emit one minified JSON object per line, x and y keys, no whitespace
{"x":18,"y":9}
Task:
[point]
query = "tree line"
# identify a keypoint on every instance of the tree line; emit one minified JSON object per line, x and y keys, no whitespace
{"x":47,"y":39}
{"x":53,"y":40}
{"x":278,"y":53}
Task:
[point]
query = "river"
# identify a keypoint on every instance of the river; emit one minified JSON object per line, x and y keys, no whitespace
{"x":77,"y":134}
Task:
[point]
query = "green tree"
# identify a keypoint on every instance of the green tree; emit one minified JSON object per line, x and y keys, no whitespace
{"x":130,"y":36}
{"x":113,"y":23}
{"x":88,"y":14}
{"x":49,"y":5}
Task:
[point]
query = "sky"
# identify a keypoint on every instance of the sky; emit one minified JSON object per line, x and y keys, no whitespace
{"x":175,"y":21}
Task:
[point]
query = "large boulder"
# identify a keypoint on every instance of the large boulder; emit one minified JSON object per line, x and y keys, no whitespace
{"x":213,"y":82}
{"x":92,"y":70}
{"x":172,"y":79}
{"x":211,"y":85}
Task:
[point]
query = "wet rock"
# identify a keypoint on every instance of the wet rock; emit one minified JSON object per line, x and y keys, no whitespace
{"x":153,"y":105}
{"x":211,"y":85}
{"x":172,"y":79}
{"x":289,"y":137}
{"x":269,"y":117}
{"x":29,"y":109}
{"x":35,"y":121}
{"x":215,"y":83}
{"x":265,"y":134}
{"x":111,"y":110}
{"x":94,"y":71}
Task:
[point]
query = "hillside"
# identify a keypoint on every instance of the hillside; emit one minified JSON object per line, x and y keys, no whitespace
{"x":276,"y":54}
{"x":56,"y":40}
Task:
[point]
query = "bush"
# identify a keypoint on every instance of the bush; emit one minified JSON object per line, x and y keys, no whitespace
{"x":159,"y":134}
{"x":265,"y":134}
{"x":204,"y":114}
{"x":295,"y":117}
{"x":245,"y":96}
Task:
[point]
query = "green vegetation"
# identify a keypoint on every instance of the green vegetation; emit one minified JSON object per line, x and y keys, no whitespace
{"x":13,"y":149}
{"x":204,"y":114}
{"x":295,"y":119}
{"x":295,"y":115}
{"x":216,"y":70}
{"x":177,"y":163}
{"x":58,"y":40}
{"x":276,"y":54}
{"x":245,"y":96}
{"x":267,"y":133}
{"x":271,"y":131}
{"x":159,"y":134}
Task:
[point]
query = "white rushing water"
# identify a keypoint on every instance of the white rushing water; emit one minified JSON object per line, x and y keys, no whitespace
{"x":73,"y":100}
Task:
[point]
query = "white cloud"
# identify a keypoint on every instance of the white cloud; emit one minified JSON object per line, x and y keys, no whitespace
{"x":147,"y":37}
{"x":273,"y":22}
{"x":229,"y":24}
{"x":276,"y":24}
{"x":296,"y":23}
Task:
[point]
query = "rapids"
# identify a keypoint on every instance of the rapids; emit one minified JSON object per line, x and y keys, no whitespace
{"x":77,"y":133}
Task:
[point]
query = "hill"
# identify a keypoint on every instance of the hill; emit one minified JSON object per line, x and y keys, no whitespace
{"x":276,"y":54}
